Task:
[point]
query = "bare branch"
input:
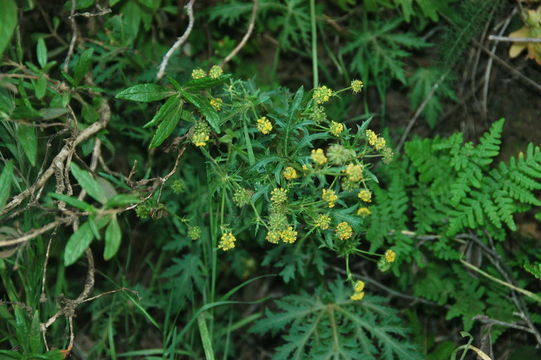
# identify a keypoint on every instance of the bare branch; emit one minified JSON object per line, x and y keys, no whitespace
{"x":245,"y":38}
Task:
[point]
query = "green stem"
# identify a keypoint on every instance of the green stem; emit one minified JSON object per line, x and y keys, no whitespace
{"x":314,"y":42}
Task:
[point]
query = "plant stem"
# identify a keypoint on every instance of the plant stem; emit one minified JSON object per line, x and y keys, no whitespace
{"x":314,"y":42}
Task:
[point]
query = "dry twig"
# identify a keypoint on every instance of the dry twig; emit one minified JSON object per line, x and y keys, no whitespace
{"x":245,"y":38}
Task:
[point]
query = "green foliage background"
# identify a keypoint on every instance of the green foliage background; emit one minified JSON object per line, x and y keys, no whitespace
{"x":117,"y":188}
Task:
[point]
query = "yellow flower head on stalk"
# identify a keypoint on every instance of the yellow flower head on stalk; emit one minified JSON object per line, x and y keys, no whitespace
{"x":227,"y":241}
{"x":344,"y":231}
{"x":198,"y":74}
{"x":358,"y":296}
{"x":318,"y":157}
{"x":264,"y":125}
{"x":354,"y":172}
{"x":322,"y":94}
{"x":273,"y":237}
{"x":365,"y":195}
{"x":371,"y":137}
{"x":323,"y":221}
{"x":215,"y":72}
{"x":329,"y":196}
{"x":387,"y":155}
{"x":390,"y":256}
{"x":279,"y":195}
{"x":216,"y":103}
{"x":359,"y":286}
{"x":201,"y":134}
{"x":289,"y":173}
{"x":357,"y":86}
{"x":380,"y":143}
{"x":336,"y":128}
{"x":288,"y":235}
{"x":364,"y":211}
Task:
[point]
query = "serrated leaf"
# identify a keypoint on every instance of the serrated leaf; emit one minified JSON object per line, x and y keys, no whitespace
{"x":26,"y":135}
{"x":88,"y":183}
{"x":205,"y":108}
{"x":41,"y":51}
{"x":166,"y":127}
{"x":82,"y":66}
{"x":144,"y":93}
{"x":5,"y":183}
{"x":113,"y":237}
{"x":8,"y":21}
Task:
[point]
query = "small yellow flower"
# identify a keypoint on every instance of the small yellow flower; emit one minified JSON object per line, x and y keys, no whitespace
{"x":359,"y":286}
{"x":322,"y":94}
{"x":216,"y":103}
{"x":380,"y":143}
{"x":372,"y":137}
{"x":198,"y":74}
{"x":318,"y":156}
{"x":354,"y":172}
{"x":344,"y":231}
{"x":306,"y":168}
{"x":387,"y":155}
{"x":227,"y":242}
{"x":289,"y":173}
{"x":365,"y":195}
{"x":323,"y":221}
{"x":390,"y":256}
{"x":358,"y":296}
{"x":288,"y":235}
{"x":273,"y":237}
{"x":194,"y":232}
{"x":215,"y":72}
{"x":357,"y":86}
{"x":364,"y":211}
{"x":201,"y":134}
{"x":336,"y":128}
{"x":264,"y":125}
{"x":329,"y":196}
{"x":279,"y":196}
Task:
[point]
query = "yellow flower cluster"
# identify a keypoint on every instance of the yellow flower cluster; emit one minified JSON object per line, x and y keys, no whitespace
{"x":201,"y":134}
{"x":323,"y":221}
{"x":322,"y":94}
{"x":215,"y":72}
{"x":336,"y":128}
{"x":390,"y":256}
{"x":364,"y":211}
{"x":365,"y":195}
{"x":354,"y":172}
{"x":318,"y":156}
{"x":357,"y":86}
{"x":376,"y":141}
{"x":194,"y":232}
{"x":264,"y":125}
{"x":273,"y":237}
{"x":290,"y":173}
{"x":198,"y":74}
{"x":279,"y":195}
{"x":344,"y":231}
{"x":358,"y":291}
{"x":216,"y":103}
{"x":227,"y":242}
{"x":329,"y":196}
{"x":288,"y":235}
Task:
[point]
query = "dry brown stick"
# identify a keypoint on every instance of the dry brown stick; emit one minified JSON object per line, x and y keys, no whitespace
{"x":500,"y":38}
{"x":245,"y":38}
{"x":181,"y":40}
{"x":36,"y":232}
{"x":73,"y":37}
{"x":60,"y":158}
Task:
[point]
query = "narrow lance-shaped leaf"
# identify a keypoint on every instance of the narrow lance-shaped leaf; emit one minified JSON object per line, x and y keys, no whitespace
{"x":8,"y":21}
{"x":166,"y":110}
{"x":167,"y":126}
{"x":113,"y":237}
{"x":26,"y":135}
{"x":80,"y":240}
{"x":5,"y":183}
{"x":41,"y":51}
{"x":144,"y":93}
{"x":205,"y":108}
{"x":88,"y":183}
{"x":82,"y":65}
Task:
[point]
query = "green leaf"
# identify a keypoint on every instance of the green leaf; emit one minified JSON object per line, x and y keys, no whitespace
{"x":88,"y":183}
{"x":41,"y":87}
{"x":26,"y":135}
{"x":166,"y":127}
{"x":205,"y":108}
{"x":82,"y":65}
{"x":78,"y":242}
{"x":203,"y":83}
{"x":8,"y":21}
{"x":166,"y":110}
{"x":41,"y":52}
{"x":5,"y":183}
{"x":122,"y":200}
{"x":73,"y":201}
{"x":144,"y":93}
{"x":113,"y":237}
